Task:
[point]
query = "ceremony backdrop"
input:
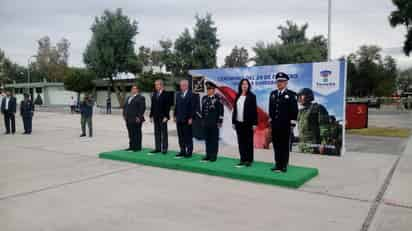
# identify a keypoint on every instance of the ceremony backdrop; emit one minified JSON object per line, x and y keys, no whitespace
{"x":326,"y":79}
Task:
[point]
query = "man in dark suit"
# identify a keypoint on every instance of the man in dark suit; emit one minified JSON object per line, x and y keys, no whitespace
{"x":159,"y":115}
{"x":26,"y":112}
{"x":183,"y":115}
{"x":283,"y":112}
{"x":212,"y":119}
{"x":8,"y":108}
{"x":133,"y":114}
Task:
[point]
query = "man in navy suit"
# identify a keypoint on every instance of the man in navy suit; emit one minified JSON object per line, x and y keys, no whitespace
{"x":8,"y":108}
{"x":183,"y":115}
{"x":133,"y":114}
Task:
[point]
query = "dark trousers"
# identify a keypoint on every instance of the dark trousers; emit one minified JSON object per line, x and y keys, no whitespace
{"x":160,"y":130}
{"x":212,"y":141}
{"x":184,"y":133}
{"x":108,"y":109}
{"x":27,"y":123}
{"x":72,"y":108}
{"x":135,"y":136}
{"x":245,"y":141}
{"x":86,"y":120}
{"x":281,"y":146}
{"x":9,"y":118}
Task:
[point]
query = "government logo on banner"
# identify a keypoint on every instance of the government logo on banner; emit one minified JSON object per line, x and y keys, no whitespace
{"x":325,"y":80}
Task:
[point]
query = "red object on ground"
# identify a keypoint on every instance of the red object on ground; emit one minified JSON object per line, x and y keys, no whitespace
{"x":356,"y":115}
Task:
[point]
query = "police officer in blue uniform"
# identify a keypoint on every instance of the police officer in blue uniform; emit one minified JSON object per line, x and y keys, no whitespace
{"x":26,"y":112}
{"x":283,"y":112}
{"x":212,"y":118}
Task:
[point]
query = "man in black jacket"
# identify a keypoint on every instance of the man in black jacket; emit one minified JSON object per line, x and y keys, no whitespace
{"x":159,"y":115}
{"x":183,"y":115}
{"x":283,"y":112}
{"x":86,"y":116}
{"x":26,"y":112}
{"x":133,"y":114}
{"x":8,"y":108}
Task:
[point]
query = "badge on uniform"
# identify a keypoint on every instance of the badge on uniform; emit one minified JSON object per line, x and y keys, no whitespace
{"x":286,"y":96}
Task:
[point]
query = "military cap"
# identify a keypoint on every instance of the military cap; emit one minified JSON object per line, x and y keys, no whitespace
{"x":210,"y":85}
{"x":281,"y":76}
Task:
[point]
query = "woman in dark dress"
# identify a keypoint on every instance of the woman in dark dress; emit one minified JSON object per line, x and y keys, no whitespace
{"x":244,"y":120}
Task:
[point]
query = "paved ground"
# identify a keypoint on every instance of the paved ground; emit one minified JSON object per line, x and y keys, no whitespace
{"x":53,"y":180}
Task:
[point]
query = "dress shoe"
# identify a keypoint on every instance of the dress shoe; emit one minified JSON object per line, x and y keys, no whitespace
{"x":180,"y":155}
{"x":82,"y":135}
{"x":155,"y":151}
{"x":248,"y":164}
{"x":204,"y":159}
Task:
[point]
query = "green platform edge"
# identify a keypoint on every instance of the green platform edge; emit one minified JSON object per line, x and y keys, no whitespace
{"x":223,"y":167}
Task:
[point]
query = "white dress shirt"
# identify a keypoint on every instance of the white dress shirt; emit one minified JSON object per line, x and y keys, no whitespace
{"x":6,"y":106}
{"x":240,"y":108}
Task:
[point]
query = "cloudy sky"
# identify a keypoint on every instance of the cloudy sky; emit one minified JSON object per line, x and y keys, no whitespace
{"x":240,"y":22}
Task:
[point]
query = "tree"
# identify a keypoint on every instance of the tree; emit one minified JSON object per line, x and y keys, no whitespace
{"x":79,"y":80}
{"x":146,"y":80}
{"x":239,"y":57}
{"x":111,"y":48}
{"x":52,"y":61}
{"x":293,"y":47}
{"x":369,"y":75}
{"x":403,"y":16}
{"x":404,"y":81}
{"x":191,"y":51}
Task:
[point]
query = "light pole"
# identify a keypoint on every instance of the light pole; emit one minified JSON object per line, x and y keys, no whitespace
{"x":329,"y":29}
{"x":28,"y":73}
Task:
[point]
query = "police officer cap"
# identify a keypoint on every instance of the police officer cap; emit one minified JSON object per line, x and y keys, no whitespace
{"x":210,"y":85}
{"x":281,"y":76}
{"x":308,"y":93}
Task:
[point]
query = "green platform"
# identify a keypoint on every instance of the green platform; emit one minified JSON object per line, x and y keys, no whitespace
{"x":224,"y":167}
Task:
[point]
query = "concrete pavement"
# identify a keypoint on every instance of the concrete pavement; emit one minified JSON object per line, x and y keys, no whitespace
{"x":53,"y":180}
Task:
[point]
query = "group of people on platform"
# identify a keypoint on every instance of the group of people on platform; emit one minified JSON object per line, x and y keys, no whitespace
{"x":9,"y":108}
{"x":283,"y":112}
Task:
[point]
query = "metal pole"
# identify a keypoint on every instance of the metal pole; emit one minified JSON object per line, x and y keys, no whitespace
{"x":28,"y":75}
{"x":329,"y":30}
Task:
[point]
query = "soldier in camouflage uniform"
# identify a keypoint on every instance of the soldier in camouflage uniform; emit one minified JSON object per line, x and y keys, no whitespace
{"x":313,"y":124}
{"x":335,"y":137}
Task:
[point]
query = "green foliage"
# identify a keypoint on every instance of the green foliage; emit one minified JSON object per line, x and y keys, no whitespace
{"x":79,"y":80}
{"x":404,"y":81}
{"x":403,"y":16}
{"x":294,"y":47}
{"x":146,"y":80}
{"x":239,"y":57}
{"x":111,"y":48}
{"x":51,"y":61}
{"x":369,"y":75}
{"x":191,"y":51}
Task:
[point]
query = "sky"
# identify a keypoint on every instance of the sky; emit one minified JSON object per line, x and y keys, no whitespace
{"x":240,"y":22}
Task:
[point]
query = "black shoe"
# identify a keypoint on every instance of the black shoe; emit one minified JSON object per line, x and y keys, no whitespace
{"x":7,"y":133}
{"x":180,"y":155}
{"x":164,"y":152}
{"x":205,"y":158}
{"x":248,"y":164}
{"x":275,"y":169}
{"x":240,"y":165}
{"x":24,"y":133}
{"x":82,"y":135}
{"x":155,"y":151}
{"x":284,"y":170}
{"x":137,"y":150}
{"x":213,"y":160}
{"x":188,"y":155}
{"x":128,"y":149}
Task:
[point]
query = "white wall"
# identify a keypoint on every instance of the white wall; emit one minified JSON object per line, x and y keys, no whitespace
{"x":59,"y":96}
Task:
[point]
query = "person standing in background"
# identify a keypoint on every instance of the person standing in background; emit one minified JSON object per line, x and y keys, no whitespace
{"x":8,"y":108}
{"x":86,"y":114}
{"x":72,"y":104}
{"x":133,"y":114}
{"x":183,"y":116}
{"x":244,"y":119}
{"x":160,"y":115}
{"x":27,"y":112}
{"x":283,"y":112}
{"x":108,"y":105}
